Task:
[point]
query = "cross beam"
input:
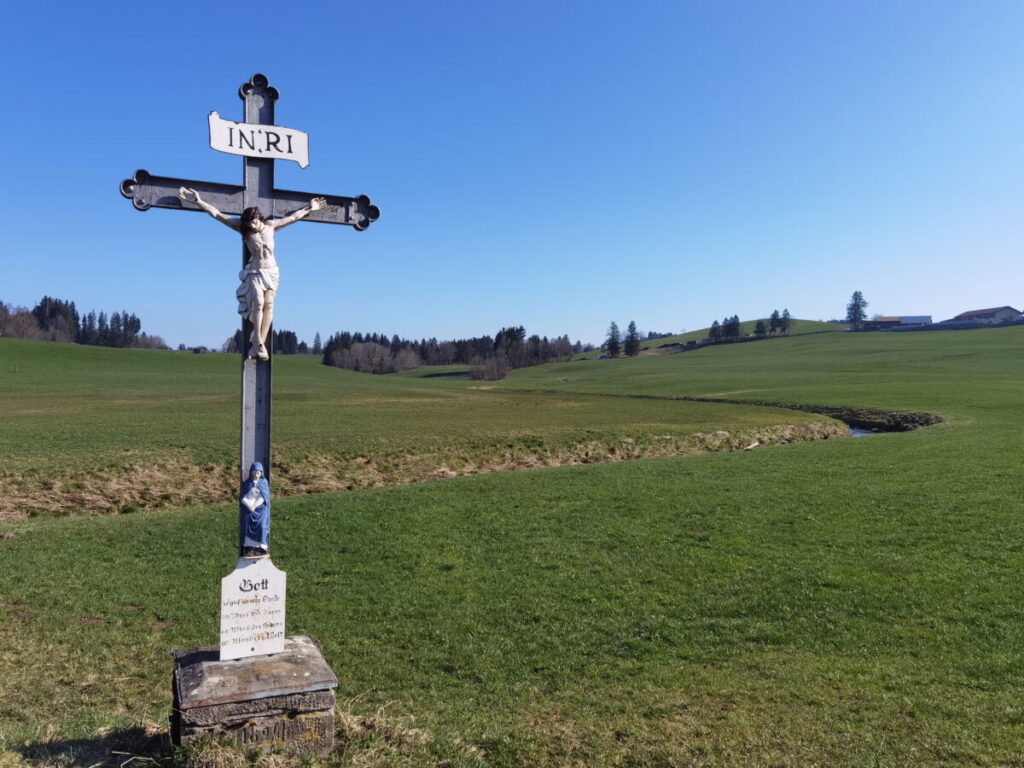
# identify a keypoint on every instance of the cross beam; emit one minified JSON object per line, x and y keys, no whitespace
{"x":147,"y":191}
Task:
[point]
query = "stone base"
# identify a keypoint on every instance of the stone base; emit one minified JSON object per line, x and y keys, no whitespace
{"x":282,"y":702}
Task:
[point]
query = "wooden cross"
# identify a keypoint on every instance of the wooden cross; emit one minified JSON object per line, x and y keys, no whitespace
{"x":147,"y":191}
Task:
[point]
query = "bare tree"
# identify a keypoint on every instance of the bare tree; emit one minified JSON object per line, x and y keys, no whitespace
{"x":22,"y":325}
{"x":406,"y":360}
{"x":491,"y":369}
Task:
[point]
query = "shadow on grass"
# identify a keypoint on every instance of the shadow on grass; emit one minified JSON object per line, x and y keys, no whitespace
{"x":133,"y":746}
{"x":445,"y":375}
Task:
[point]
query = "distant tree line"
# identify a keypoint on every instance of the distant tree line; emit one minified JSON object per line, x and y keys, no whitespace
{"x":730,"y":329}
{"x":58,"y":320}
{"x":490,"y":357}
{"x":120,"y":330}
{"x":285,"y":343}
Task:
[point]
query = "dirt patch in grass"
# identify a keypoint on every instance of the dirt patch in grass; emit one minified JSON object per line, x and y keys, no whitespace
{"x":19,"y":610}
{"x":178,"y":482}
{"x":116,"y":490}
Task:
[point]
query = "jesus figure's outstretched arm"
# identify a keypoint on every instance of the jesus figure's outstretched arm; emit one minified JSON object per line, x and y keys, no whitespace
{"x":191,"y":196}
{"x":314,"y":205}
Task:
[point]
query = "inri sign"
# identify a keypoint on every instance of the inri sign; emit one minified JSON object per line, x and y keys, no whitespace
{"x":255,"y":140}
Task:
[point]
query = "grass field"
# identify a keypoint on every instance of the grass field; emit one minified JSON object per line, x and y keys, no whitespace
{"x":87,"y":430}
{"x":841,"y":603}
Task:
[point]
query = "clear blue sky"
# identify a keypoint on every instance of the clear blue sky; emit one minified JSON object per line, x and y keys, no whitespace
{"x":553,"y":164}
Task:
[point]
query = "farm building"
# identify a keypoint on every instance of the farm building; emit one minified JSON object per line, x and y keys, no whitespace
{"x":993,"y":315}
{"x":915,"y":319}
{"x":891,"y":320}
{"x":896,"y":322}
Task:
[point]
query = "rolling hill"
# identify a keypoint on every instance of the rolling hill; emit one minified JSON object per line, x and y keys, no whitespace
{"x":843,"y":602}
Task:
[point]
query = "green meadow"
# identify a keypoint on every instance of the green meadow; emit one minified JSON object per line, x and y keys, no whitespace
{"x":89,"y":430}
{"x":839,"y":602}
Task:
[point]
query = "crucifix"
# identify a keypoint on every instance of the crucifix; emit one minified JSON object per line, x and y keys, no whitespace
{"x":263,"y":209}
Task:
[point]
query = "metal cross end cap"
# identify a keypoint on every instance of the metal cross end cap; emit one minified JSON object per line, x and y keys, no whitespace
{"x":258,"y":84}
{"x":128,"y":189}
{"x":370,"y":213}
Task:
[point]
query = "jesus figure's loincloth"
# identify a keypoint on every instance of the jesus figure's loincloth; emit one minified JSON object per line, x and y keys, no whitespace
{"x":255,"y":283}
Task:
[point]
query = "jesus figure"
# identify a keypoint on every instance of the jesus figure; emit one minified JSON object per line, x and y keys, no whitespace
{"x":260,"y":275}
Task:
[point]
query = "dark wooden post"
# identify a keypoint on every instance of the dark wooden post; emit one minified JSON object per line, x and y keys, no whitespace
{"x":258,"y":180}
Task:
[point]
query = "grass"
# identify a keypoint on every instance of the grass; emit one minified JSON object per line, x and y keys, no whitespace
{"x":969,"y":374}
{"x":840,"y":603}
{"x":88,"y":430}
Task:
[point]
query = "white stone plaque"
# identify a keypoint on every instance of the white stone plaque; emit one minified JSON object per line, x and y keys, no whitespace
{"x":257,"y":140}
{"x":252,"y":610}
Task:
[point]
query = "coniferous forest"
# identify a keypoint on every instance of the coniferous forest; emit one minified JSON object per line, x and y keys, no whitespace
{"x":59,"y":320}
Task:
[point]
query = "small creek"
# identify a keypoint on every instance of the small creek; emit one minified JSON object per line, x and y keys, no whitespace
{"x":861,"y":421}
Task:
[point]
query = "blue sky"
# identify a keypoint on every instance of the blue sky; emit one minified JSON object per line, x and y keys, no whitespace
{"x":553,"y":164}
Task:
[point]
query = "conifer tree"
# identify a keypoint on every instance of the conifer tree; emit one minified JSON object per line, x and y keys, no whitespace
{"x":855,"y":310}
{"x":731,"y":328}
{"x":632,"y":343}
{"x":132,"y":326}
{"x":87,"y":334}
{"x":614,"y":344}
{"x":102,"y":330}
{"x":116,"y":327}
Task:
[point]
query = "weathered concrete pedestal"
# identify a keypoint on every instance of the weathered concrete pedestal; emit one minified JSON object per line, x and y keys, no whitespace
{"x":282,"y":702}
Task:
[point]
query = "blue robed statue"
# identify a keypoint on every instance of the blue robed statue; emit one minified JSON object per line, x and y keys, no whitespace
{"x":255,"y":503}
